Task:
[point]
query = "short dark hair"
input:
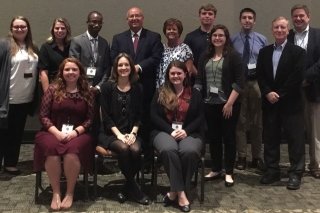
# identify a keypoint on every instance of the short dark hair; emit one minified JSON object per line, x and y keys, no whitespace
{"x":301,"y":6}
{"x":209,"y":7}
{"x":93,"y":12}
{"x":248,"y":10}
{"x":173,"y":21}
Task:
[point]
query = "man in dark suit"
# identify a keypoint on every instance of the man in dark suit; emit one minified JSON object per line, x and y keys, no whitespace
{"x":280,"y":69}
{"x":309,"y":38}
{"x":93,"y":51}
{"x":145,"y":48}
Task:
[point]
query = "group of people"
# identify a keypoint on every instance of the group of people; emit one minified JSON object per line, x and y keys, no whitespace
{"x":139,"y":95}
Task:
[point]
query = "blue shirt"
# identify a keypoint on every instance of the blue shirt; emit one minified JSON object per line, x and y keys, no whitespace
{"x":277,"y":52}
{"x":256,"y":41}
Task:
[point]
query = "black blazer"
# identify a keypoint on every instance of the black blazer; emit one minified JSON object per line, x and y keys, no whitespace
{"x":194,"y":121}
{"x":288,"y":80}
{"x":312,"y":73}
{"x":80,"y":48}
{"x":149,"y":53}
{"x":232,"y":73}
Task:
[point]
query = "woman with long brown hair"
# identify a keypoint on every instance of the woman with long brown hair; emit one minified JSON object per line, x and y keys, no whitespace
{"x":66,"y":115}
{"x":221,"y":80}
{"x":176,"y":113}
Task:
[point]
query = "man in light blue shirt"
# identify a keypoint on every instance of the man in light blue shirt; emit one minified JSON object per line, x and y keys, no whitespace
{"x":248,"y":43}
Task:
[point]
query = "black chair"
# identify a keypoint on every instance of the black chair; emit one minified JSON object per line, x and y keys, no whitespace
{"x":112,"y":157}
{"x":156,"y":165}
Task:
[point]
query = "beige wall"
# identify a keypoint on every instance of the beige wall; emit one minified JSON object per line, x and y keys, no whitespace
{"x":42,"y":12}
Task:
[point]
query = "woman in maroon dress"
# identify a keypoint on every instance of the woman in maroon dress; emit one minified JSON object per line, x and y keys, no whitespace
{"x":66,"y":115}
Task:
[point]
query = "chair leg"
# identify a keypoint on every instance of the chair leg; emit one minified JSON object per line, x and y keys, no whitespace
{"x":95,"y":177}
{"x":38,"y":186}
{"x":155,"y":176}
{"x":202,"y":181}
{"x":86,"y":185}
{"x":142,"y":184}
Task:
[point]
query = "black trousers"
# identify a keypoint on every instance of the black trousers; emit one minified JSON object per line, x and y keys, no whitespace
{"x":292,"y":124}
{"x":11,"y":137}
{"x":222,"y":131}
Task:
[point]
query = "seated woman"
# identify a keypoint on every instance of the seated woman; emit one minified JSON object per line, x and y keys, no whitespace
{"x":176,"y":112}
{"x":121,"y":102}
{"x":66,"y":115}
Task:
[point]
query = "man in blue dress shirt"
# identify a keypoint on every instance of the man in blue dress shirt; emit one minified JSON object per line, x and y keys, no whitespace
{"x":248,"y":43}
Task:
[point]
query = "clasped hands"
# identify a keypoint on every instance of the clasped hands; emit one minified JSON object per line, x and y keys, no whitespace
{"x":179,"y":134}
{"x":66,"y":137}
{"x":127,"y":138}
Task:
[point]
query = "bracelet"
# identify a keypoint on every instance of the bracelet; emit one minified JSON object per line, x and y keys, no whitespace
{"x":134,"y":133}
{"x":78,"y":133}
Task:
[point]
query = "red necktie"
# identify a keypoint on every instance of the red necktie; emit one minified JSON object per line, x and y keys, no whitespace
{"x":135,"y":42}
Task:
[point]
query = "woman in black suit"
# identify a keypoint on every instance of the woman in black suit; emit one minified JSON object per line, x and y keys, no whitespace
{"x":220,"y":79}
{"x":176,"y":112}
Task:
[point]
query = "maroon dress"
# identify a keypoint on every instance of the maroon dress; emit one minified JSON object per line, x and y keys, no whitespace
{"x":71,"y":110}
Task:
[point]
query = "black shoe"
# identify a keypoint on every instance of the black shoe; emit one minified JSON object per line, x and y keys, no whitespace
{"x":121,"y":197}
{"x":269,"y":178}
{"x":167,"y":201}
{"x":258,"y":163}
{"x":241,"y":163}
{"x":185,"y":208}
{"x":12,"y":172}
{"x":137,"y":194}
{"x":294,"y":182}
{"x":316,"y":174}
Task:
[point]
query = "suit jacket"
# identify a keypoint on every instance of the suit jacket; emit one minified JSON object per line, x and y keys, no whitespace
{"x":80,"y":48}
{"x":312,"y":73}
{"x":148,"y":56}
{"x":288,"y":80}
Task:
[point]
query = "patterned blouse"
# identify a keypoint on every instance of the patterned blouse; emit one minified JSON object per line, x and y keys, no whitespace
{"x":182,"y":53}
{"x":72,"y":110}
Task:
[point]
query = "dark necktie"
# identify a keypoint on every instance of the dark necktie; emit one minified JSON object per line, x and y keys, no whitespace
{"x":135,"y":42}
{"x":246,"y":51}
{"x":94,"y":47}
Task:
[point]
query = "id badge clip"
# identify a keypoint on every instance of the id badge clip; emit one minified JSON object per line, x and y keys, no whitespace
{"x":67,"y":128}
{"x":251,"y":66}
{"x":91,"y":72}
{"x":177,"y":125}
{"x":214,"y":90}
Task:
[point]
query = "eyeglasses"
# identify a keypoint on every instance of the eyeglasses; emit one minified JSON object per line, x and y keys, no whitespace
{"x":21,"y":27}
{"x":218,"y":35}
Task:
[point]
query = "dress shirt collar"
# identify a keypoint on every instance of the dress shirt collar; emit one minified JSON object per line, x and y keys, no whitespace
{"x":90,"y":37}
{"x":282,"y":45}
{"x":138,"y":33}
{"x":304,"y":31}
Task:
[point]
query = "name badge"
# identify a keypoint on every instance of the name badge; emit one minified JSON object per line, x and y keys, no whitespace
{"x":67,"y":128}
{"x":177,"y":125}
{"x":27,"y":75}
{"x":91,"y":72}
{"x":214,"y":90}
{"x":251,"y":66}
